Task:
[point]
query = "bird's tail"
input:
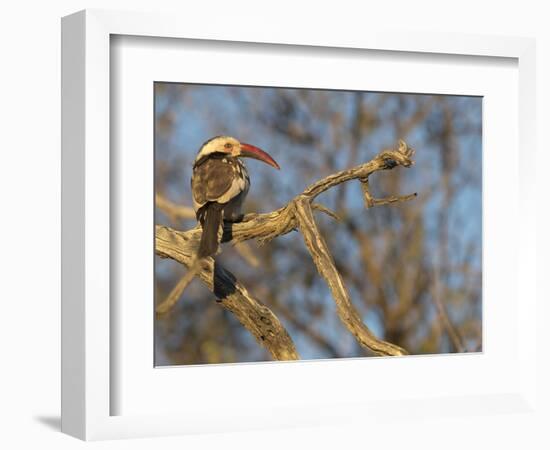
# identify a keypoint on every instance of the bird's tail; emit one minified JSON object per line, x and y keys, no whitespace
{"x":210,"y":217}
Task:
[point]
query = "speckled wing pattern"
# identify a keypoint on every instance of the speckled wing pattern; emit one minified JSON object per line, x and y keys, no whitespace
{"x":218,"y":180}
{"x":219,"y":184}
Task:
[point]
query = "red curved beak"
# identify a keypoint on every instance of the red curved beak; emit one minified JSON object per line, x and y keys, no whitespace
{"x":249,"y":151}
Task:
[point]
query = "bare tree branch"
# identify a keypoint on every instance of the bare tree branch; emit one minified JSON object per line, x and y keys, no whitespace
{"x":168,"y":303}
{"x":443,"y":315}
{"x":251,"y":313}
{"x":297,"y":214}
{"x":327,"y":211}
{"x":370,"y":201}
{"x":173,"y":210}
{"x":325,"y":265}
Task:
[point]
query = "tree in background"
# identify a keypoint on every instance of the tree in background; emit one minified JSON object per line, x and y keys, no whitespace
{"x":413,"y":269}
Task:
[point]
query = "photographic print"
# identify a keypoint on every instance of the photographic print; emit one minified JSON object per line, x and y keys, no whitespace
{"x":303,"y":224}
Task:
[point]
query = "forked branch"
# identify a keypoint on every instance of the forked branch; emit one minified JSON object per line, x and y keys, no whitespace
{"x":296,"y":215}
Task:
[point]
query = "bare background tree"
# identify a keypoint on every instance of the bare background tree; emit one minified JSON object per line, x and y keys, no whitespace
{"x":413,"y":270}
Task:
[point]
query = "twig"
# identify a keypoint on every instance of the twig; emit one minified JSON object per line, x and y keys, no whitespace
{"x":370,"y":201}
{"x":443,"y":315}
{"x":327,"y":211}
{"x":170,"y":301}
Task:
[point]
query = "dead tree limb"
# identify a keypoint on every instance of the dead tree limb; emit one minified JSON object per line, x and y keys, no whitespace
{"x":325,"y":266}
{"x":295,"y":215}
{"x":174,"y":212}
{"x":251,"y":313}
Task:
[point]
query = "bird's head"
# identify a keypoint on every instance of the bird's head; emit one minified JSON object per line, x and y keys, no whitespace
{"x":230,"y":146}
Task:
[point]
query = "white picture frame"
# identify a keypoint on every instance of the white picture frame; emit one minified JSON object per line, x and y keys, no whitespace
{"x":87,"y":328}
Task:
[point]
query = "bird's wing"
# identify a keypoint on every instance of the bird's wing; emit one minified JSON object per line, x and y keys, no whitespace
{"x":212,"y":181}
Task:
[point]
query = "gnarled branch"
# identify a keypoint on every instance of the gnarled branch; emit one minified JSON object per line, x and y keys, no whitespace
{"x":296,"y":215}
{"x":251,"y":313}
{"x":173,"y":210}
{"x":325,"y":265}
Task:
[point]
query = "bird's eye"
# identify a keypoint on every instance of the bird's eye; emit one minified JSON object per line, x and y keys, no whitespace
{"x":228,"y":145}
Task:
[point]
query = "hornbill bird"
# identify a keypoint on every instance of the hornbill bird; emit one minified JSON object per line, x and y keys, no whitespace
{"x":219,"y":184}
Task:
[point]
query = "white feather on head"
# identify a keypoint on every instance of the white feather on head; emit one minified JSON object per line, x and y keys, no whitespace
{"x":219,"y":144}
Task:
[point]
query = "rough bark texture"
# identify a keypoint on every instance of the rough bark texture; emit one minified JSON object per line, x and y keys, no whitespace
{"x":296,"y":215}
{"x":251,"y":313}
{"x":325,"y":265}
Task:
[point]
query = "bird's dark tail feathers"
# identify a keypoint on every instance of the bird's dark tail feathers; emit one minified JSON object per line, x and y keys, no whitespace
{"x":210,"y":217}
